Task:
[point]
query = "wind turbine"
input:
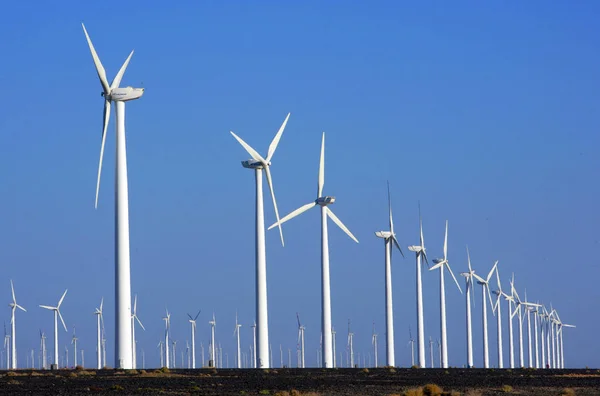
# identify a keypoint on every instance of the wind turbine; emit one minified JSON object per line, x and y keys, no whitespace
{"x":485,"y":287}
{"x":74,"y":342}
{"x":167,"y":320}
{"x":469,"y":281}
{"x":497,"y":307}
{"x":258,"y":163}
{"x":333,"y":346}
{"x":7,"y":347}
{"x":442,"y":264}
{"x":212,"y":324}
{"x":43,"y":348}
{"x":301,"y":340}
{"x":193,"y":325}
{"x":518,"y":303}
{"x":113,"y":93}
{"x":56,"y":316}
{"x":323,"y":202}
{"x":511,"y":301}
{"x":351,"y":345}
{"x":561,"y":325}
{"x":374,"y":342}
{"x":160,"y":345}
{"x":431,"y":351}
{"x":419,"y":251}
{"x":134,"y":317}
{"x":13,"y":305}
{"x":535,"y":334}
{"x":412,"y":347}
{"x":528,"y":312}
{"x":236,"y":331}
{"x":389,"y":237}
{"x":253,"y":354}
{"x":99,"y":318}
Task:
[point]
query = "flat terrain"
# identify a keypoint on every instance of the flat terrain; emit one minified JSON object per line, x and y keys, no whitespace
{"x":299,"y":382}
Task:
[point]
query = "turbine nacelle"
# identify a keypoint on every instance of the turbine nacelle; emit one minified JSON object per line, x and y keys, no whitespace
{"x":124,"y":94}
{"x":254,"y":164}
{"x":384,"y":234}
{"x":324,"y":201}
{"x":416,"y":248}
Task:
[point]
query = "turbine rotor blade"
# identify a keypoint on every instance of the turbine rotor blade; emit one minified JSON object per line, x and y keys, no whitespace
{"x":446,"y":243}
{"x":479,"y":278}
{"x":275,"y":142}
{"x":140,"y":322}
{"x":47,"y":307}
{"x":119,"y":76}
{"x":453,"y":277}
{"x":104,"y":127}
{"x":99,"y":68}
{"x":322,"y":167}
{"x":340,"y":224}
{"x":270,"y":182}
{"x":21,"y":308}
{"x":293,"y":214}
{"x":134,"y":305}
{"x":61,"y":299}
{"x":62,"y":320}
{"x":397,"y":245}
{"x":253,"y":153}
{"x":12,"y":288}
{"x":491,"y":271}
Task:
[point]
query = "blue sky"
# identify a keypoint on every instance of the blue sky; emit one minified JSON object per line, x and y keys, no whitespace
{"x":485,"y":113}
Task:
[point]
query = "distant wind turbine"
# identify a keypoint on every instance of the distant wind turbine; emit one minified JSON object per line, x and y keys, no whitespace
{"x":258,"y":163}
{"x":56,"y":316}
{"x":213,"y":355}
{"x":134,"y":317}
{"x":470,"y":295}
{"x":497,"y":307}
{"x":99,"y":318}
{"x":300,"y":340}
{"x":13,"y":305}
{"x":236,"y":331}
{"x":193,"y":326}
{"x":443,"y":264}
{"x":419,"y":251}
{"x":323,"y":202}
{"x":167,"y":320}
{"x":389,"y":237}
{"x":74,"y":343}
{"x":486,"y":288}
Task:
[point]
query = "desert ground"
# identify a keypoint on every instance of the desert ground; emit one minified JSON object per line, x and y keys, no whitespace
{"x":303,"y":382}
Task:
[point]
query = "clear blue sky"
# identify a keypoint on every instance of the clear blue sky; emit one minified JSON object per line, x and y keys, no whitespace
{"x":486,"y":113}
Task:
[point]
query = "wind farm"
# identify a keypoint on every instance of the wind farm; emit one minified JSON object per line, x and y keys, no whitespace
{"x":492,"y":180}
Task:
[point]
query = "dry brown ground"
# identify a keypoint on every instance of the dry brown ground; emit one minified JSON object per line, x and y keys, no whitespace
{"x":303,"y":382}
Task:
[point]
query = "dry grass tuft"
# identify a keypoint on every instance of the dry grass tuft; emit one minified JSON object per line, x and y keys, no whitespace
{"x":507,"y":389}
{"x":413,"y":392}
{"x":432,"y":390}
{"x":568,"y":392}
{"x":473,"y":392}
{"x":282,"y":393}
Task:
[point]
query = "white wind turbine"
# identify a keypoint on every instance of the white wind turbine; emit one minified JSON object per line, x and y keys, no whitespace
{"x":333,"y":346}
{"x":561,"y":325}
{"x":301,"y":340}
{"x":389,"y":237}
{"x":469,"y":294}
{"x":351,"y":345}
{"x":528,"y":309}
{"x":258,"y":163}
{"x":56,"y":316}
{"x":7,"y":347}
{"x":193,"y":326}
{"x":518,"y":304}
{"x":99,"y":318}
{"x":534,"y":310}
{"x":420,"y":251}
{"x":74,"y":342}
{"x":13,"y":305}
{"x":212,"y":324}
{"x":485,"y":288}
{"x":236,"y":331}
{"x":511,"y":299}
{"x":112,"y":93}
{"x":167,"y":320}
{"x":442,"y":264}
{"x":412,"y":347}
{"x":323,"y":202}
{"x":374,"y":342}
{"x":43,"y":349}
{"x":497,"y":307}
{"x":134,"y":317}
{"x":253,"y":347}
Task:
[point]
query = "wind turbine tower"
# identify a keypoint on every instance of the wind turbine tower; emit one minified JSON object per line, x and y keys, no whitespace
{"x":193,"y":325}
{"x":258,"y":163}
{"x":99,"y":318}
{"x":389,"y":237}
{"x":419,"y":251}
{"x":57,"y":314}
{"x":323,"y":202}
{"x":13,"y":305}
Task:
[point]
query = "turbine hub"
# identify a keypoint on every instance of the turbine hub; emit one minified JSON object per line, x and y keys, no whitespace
{"x":324,"y":201}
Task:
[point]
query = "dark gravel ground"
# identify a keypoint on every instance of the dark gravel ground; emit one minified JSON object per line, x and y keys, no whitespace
{"x":351,"y":382}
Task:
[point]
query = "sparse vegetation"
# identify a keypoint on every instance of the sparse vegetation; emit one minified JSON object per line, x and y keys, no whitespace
{"x":473,"y":392}
{"x":264,"y":392}
{"x":79,"y":368}
{"x":282,"y":393}
{"x":568,"y":392}
{"x":507,"y":389}
{"x":365,"y":370}
{"x":432,"y":390}
{"x":117,"y":388}
{"x":413,"y":392}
